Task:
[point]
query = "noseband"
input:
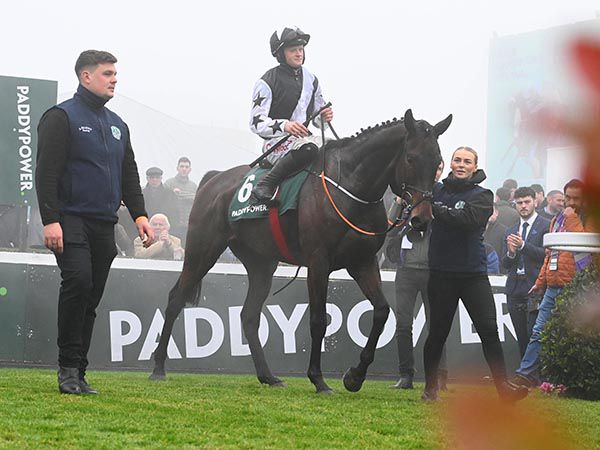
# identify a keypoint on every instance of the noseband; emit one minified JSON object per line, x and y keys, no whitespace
{"x":407,"y":205}
{"x":407,"y":196}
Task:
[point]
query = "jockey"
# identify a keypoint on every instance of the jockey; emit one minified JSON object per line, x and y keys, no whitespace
{"x":282,"y":100}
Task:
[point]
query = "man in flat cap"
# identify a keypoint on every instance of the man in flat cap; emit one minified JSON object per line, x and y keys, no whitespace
{"x":158,"y":198}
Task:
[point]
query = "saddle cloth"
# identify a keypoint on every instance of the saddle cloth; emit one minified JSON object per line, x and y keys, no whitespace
{"x":287,"y":194}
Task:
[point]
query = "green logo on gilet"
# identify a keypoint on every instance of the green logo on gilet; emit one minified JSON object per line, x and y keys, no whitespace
{"x":116,"y":133}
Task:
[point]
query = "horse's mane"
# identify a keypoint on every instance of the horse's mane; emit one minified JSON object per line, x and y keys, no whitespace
{"x":364,"y":133}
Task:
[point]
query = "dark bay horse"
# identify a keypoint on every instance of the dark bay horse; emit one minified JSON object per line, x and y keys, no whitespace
{"x":403,"y":154}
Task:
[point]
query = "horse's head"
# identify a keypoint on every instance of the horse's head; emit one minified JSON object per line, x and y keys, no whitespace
{"x":415,"y":167}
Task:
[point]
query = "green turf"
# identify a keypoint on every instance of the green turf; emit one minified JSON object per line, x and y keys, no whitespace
{"x":224,"y":411}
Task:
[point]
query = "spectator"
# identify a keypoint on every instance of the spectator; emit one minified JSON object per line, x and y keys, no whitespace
{"x":507,"y":215}
{"x":411,"y":280}
{"x":185,"y":190}
{"x":522,"y":258}
{"x":166,"y":246}
{"x":512,"y":186}
{"x":555,"y":203}
{"x":494,"y":232}
{"x":540,"y":197}
{"x":158,"y":198}
{"x":558,"y":269}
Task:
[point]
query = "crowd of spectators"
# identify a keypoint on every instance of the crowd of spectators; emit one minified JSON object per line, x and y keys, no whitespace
{"x":168,"y":205}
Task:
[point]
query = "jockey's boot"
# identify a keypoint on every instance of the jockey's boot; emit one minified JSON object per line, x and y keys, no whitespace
{"x":287,"y":165}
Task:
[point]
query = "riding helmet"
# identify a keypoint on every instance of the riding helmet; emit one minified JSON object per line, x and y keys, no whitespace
{"x":287,"y":38}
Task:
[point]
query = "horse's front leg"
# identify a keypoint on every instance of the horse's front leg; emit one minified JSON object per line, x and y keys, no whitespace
{"x":318,"y":277}
{"x":369,"y":281}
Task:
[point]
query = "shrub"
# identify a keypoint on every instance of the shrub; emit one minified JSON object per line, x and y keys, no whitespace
{"x":571,"y":356}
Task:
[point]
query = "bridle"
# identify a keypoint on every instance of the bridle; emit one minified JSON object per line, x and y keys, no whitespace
{"x":406,"y":197}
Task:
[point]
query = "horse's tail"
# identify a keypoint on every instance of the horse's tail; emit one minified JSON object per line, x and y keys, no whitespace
{"x":194,"y":300}
{"x":188,"y":294}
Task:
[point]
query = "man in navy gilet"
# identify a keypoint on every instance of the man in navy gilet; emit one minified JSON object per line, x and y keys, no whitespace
{"x":85,"y":168}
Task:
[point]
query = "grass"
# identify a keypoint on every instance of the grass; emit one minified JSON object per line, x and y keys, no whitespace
{"x":225,"y":411}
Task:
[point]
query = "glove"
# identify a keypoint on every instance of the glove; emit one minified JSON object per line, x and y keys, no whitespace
{"x":438,"y":209}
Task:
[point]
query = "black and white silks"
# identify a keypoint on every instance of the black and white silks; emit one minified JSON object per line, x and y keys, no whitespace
{"x":281,"y":95}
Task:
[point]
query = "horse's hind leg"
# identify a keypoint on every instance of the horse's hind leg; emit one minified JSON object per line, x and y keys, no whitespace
{"x":203,"y":251}
{"x":174,"y":307}
{"x":369,"y":281}
{"x":260,"y":276}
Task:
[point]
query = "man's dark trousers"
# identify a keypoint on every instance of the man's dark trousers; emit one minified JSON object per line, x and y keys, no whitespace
{"x":89,"y":249}
{"x":409,"y":283}
{"x":521,"y":314}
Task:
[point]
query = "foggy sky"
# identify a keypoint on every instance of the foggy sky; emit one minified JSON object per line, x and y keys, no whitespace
{"x":198,"y":61}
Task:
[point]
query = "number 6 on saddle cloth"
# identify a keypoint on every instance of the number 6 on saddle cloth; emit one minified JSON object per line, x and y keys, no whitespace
{"x":287,"y":195}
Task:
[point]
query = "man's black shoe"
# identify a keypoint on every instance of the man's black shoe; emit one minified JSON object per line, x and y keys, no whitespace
{"x":405,"y":382}
{"x":68,"y":380}
{"x":510,"y":392}
{"x":520,"y":380}
{"x":86,"y":388}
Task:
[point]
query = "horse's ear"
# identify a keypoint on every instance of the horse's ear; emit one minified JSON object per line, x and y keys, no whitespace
{"x":442,"y":126}
{"x":409,"y":121}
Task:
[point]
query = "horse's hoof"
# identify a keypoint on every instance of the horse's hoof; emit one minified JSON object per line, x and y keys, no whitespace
{"x":272,"y":381}
{"x":352,"y":381}
{"x":327,"y":391}
{"x":157,"y":376}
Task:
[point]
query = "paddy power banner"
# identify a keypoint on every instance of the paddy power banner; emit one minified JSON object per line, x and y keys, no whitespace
{"x":209,"y":336}
{"x":22,"y":103}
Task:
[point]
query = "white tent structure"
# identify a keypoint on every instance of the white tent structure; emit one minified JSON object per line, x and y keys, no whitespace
{"x":159,"y":140}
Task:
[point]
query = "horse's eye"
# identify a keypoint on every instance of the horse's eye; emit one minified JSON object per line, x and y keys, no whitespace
{"x":410,"y":159}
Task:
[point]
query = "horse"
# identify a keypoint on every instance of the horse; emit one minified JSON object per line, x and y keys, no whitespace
{"x":402,"y":154}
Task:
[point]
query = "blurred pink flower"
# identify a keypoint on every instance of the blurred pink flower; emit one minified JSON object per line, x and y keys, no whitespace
{"x":549,"y":388}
